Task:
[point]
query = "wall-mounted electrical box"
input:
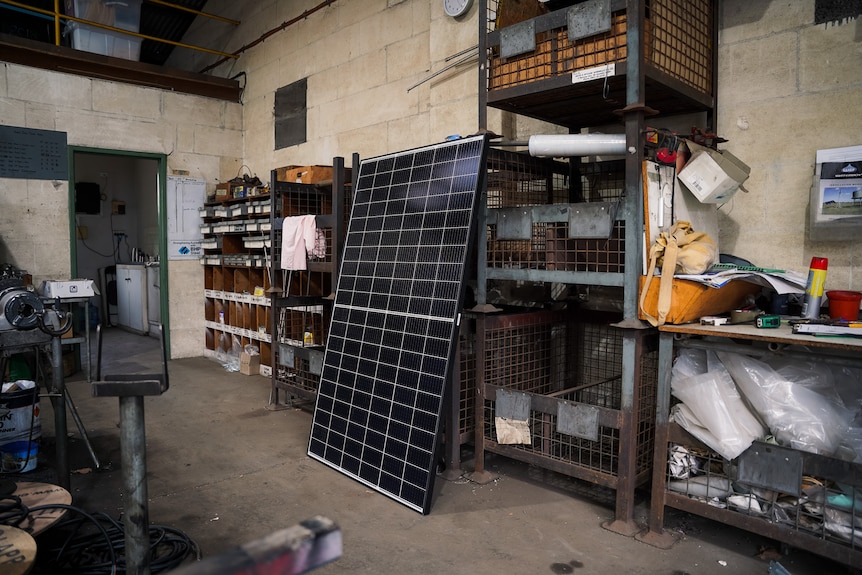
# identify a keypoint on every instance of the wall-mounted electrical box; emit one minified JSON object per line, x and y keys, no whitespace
{"x":118,"y":208}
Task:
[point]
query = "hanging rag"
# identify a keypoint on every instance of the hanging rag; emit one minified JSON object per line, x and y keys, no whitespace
{"x":300,"y":239}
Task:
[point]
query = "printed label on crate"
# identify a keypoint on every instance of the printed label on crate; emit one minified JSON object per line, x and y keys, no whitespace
{"x":590,"y":74}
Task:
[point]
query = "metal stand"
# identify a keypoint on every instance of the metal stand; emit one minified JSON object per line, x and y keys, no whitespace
{"x":131,"y":390}
{"x":58,"y":400}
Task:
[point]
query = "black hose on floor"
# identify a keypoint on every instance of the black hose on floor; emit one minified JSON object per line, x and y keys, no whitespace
{"x":94,"y":544}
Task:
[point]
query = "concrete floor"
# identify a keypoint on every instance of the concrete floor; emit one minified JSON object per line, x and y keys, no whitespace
{"x":227,"y":470}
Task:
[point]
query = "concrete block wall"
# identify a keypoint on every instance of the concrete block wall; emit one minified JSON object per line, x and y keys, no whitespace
{"x":787,"y":87}
{"x":200,"y":135}
{"x":361,"y":58}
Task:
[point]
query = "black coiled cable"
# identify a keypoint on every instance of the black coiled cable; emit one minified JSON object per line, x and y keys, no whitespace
{"x":94,"y":544}
{"x":12,"y":510}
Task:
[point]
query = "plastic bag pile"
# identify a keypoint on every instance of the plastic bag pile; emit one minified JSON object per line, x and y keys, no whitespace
{"x":728,"y":400}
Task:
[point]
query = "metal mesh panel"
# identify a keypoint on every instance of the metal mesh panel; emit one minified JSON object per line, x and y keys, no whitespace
{"x":516,"y":180}
{"x":680,"y":40}
{"x":467,"y":378}
{"x":526,"y":352}
{"x":299,"y":200}
{"x":587,"y":359}
{"x":304,"y":326}
{"x":822,"y":508}
{"x":593,"y":255}
{"x":299,"y":377}
{"x":677,"y":36}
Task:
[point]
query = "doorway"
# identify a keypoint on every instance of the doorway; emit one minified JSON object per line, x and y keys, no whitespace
{"x":117,"y":218}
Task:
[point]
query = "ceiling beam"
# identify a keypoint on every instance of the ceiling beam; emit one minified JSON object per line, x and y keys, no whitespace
{"x":61,"y":59}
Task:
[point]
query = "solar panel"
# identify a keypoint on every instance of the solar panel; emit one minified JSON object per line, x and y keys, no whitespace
{"x":395,"y":318}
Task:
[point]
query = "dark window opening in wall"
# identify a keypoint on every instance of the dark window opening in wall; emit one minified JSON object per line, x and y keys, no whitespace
{"x":290,"y":114}
{"x":836,"y":11}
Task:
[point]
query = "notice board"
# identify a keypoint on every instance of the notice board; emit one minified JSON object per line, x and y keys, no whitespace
{"x":185,"y":198}
{"x":30,"y":154}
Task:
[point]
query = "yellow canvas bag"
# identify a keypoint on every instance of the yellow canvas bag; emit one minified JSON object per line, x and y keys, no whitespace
{"x":678,"y":250}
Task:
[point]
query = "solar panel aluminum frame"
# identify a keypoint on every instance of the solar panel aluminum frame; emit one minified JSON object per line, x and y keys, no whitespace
{"x":380,"y":403}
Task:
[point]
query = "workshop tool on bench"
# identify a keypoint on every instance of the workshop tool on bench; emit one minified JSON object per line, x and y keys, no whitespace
{"x":131,"y":390}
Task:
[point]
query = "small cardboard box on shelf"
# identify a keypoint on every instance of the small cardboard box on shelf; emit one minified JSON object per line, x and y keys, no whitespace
{"x":304,"y":174}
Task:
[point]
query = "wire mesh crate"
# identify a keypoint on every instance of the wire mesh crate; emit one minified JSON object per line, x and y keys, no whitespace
{"x":570,"y":369}
{"x":761,"y":491}
{"x":302,"y":308}
{"x":466,"y":358}
{"x":291,"y":199}
{"x":678,"y":37}
{"x":537,"y":240}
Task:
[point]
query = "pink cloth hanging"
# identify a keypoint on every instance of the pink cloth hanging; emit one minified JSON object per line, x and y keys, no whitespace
{"x":299,"y":239}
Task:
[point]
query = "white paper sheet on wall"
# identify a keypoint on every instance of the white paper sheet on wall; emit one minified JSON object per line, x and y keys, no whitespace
{"x":185,"y":198}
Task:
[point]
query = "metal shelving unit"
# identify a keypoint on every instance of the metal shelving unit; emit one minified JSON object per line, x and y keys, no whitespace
{"x":591,"y":405}
{"x":819,"y":518}
{"x":302,"y":300}
{"x":235,"y":274}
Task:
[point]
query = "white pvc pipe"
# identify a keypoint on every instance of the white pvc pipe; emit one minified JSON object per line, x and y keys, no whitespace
{"x":562,"y":145}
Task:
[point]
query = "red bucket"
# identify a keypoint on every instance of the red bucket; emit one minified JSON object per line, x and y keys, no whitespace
{"x":844,"y":304}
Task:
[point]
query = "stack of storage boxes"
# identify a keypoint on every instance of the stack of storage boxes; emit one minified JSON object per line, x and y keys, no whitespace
{"x":124,"y":14}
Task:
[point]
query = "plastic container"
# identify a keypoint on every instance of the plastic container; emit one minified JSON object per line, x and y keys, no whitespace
{"x":19,"y":457}
{"x":104,"y":42}
{"x":844,"y":304}
{"x":124,"y":14}
{"x":21,"y":431}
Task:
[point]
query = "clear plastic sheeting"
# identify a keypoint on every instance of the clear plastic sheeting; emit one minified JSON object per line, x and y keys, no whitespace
{"x":228,"y":352}
{"x":712,"y":409}
{"x":796,"y":411}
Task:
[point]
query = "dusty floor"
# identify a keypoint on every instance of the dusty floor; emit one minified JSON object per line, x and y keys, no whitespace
{"x":227,"y":470}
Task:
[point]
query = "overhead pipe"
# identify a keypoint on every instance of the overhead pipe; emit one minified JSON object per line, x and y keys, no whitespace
{"x":56,"y":15}
{"x":565,"y":145}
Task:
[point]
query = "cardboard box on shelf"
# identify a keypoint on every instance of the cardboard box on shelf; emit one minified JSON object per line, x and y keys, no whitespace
{"x":304,"y":174}
{"x":222,"y":191}
{"x":249,"y":364}
{"x":712,"y":176}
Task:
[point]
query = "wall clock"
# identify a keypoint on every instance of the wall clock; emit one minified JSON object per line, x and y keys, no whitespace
{"x":456,"y":8}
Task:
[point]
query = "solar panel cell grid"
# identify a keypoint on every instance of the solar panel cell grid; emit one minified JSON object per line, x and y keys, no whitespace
{"x":394,"y":320}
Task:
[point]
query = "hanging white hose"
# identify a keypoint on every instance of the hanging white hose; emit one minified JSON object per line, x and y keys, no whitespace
{"x":564,"y":145}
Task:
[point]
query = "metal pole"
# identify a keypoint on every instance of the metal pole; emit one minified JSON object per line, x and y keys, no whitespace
{"x":59,"y":403}
{"x":80,"y":424}
{"x":133,"y":455}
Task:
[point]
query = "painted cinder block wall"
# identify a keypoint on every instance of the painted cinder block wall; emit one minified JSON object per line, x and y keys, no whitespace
{"x":200,"y":135}
{"x":361,"y":59}
{"x":787,"y":87}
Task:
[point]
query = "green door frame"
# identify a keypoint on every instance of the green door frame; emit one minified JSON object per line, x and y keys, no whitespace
{"x":162,"y":171}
